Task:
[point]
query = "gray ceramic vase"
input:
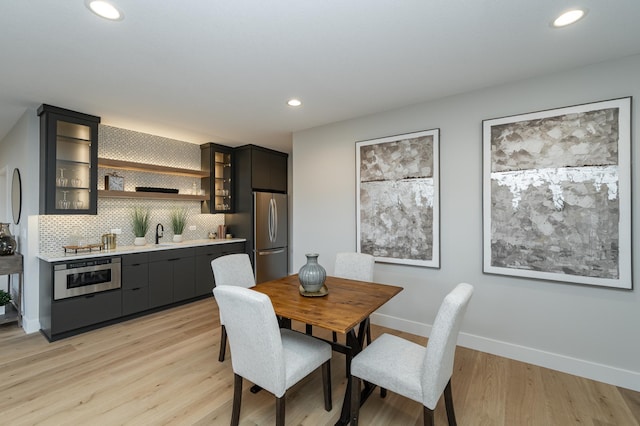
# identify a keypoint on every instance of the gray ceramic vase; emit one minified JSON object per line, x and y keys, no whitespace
{"x":312,"y":274}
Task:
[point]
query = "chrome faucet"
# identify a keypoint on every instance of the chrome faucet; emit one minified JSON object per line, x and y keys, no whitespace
{"x":159,"y":232}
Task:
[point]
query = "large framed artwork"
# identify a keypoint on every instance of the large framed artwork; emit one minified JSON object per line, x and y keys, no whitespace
{"x":557,"y":194}
{"x":398,"y":202}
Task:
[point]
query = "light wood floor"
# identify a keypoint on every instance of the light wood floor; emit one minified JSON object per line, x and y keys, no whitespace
{"x":162,"y":369}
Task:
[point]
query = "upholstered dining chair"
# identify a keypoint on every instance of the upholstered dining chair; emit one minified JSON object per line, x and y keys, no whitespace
{"x":355,"y":266}
{"x":411,"y":370}
{"x":235,"y":270}
{"x":274,"y":359}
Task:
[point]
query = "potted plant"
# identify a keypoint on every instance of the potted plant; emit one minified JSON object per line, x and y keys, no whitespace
{"x":5,"y":299}
{"x":140,"y":218}
{"x":178,"y":222}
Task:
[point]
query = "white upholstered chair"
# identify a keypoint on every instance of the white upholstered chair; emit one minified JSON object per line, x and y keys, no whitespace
{"x":411,"y":370}
{"x":234,"y":270}
{"x":274,"y":359}
{"x":355,"y":266}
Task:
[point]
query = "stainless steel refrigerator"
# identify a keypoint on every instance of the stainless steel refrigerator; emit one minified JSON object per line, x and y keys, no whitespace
{"x":270,"y":251}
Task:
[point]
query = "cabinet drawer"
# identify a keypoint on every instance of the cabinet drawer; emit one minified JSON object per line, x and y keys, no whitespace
{"x":161,"y":255}
{"x":232,"y":248}
{"x":212,"y":250}
{"x":133,"y":259}
{"x":136,"y":275}
{"x":77,"y":312}
{"x":135,"y":300}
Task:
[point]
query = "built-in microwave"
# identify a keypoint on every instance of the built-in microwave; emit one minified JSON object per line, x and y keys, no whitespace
{"x":85,"y":277}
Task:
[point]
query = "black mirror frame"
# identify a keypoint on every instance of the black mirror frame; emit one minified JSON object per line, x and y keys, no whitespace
{"x":16,"y":196}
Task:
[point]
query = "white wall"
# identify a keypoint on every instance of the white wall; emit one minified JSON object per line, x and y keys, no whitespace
{"x":21,"y":149}
{"x":583,"y":330}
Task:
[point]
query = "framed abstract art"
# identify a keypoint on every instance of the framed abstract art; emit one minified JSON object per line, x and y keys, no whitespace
{"x":398,"y":201}
{"x":557,"y":194}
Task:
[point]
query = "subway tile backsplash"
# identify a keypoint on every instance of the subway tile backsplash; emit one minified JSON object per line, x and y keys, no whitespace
{"x":122,"y":144}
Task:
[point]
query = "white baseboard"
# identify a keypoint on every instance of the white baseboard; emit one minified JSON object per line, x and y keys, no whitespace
{"x":30,"y":325}
{"x":578,"y":367}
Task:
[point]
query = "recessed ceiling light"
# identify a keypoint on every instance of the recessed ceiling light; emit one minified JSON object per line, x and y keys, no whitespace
{"x":569,"y":17}
{"x":104,"y":9}
{"x":294,"y":102}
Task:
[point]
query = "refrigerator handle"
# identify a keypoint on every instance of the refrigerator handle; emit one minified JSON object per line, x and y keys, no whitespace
{"x":275,"y":220}
{"x":270,"y":220}
{"x":270,"y":252}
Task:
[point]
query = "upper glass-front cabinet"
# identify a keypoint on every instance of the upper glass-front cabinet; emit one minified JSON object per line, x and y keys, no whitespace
{"x":217,"y":159}
{"x":68,"y":161}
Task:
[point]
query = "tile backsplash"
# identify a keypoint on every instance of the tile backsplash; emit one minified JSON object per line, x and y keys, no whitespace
{"x":115,"y":213}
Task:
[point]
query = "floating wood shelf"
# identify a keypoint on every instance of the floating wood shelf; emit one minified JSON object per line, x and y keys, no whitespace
{"x":152,"y":168}
{"x":150,"y":195}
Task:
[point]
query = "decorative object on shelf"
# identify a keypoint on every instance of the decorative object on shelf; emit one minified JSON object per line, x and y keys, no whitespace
{"x":113,"y":182}
{"x":312,"y":274}
{"x":7,"y":242}
{"x":557,"y":194}
{"x":141,"y":219}
{"x":178,"y":223}
{"x":398,"y":179}
{"x":154,"y":189}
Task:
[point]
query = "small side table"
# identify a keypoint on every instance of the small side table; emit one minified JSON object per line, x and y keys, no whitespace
{"x":10,"y":265}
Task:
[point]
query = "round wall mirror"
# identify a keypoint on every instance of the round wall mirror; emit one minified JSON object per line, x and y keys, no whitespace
{"x":16,"y":196}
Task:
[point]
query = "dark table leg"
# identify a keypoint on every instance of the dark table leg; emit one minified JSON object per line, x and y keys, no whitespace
{"x":354,"y":343}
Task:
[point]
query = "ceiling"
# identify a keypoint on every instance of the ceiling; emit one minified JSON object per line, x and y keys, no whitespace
{"x":222,"y":71}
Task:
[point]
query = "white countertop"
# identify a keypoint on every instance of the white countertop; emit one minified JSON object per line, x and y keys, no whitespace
{"x":60,"y":255}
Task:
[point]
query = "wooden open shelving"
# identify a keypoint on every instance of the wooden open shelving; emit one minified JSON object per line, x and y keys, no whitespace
{"x":108,"y":163}
{"x":150,"y":195}
{"x":151,"y":168}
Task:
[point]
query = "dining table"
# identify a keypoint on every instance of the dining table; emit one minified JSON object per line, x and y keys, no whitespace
{"x":345,"y":308}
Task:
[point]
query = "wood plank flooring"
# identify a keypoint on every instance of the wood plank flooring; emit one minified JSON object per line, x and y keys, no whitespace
{"x":162,"y":369}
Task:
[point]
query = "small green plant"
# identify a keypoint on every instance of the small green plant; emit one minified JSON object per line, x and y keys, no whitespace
{"x":5,"y":298}
{"x":140,"y":218}
{"x":178,"y":220}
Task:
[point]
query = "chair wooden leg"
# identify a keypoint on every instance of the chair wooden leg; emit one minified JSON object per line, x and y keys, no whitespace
{"x":448,"y":402}
{"x":237,"y":399}
{"x":223,"y":343}
{"x":326,"y":384}
{"x":355,"y":400}
{"x":280,"y":410}
{"x":383,"y":392}
{"x":428,"y":417}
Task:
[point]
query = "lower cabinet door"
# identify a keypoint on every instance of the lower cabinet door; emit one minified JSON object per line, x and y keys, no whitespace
{"x":184,"y":278}
{"x":160,"y":284}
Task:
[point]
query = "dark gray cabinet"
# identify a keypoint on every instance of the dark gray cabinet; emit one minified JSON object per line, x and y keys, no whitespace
{"x":218,"y":186}
{"x":68,"y":161}
{"x":171,"y":276}
{"x":259,"y":169}
{"x":204,"y":255}
{"x":82,"y":311}
{"x":149,"y":281}
{"x":135,"y":283}
{"x":59,"y":318}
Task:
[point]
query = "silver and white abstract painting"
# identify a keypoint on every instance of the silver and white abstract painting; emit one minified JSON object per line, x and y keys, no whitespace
{"x":557,"y":194}
{"x":398,"y":204}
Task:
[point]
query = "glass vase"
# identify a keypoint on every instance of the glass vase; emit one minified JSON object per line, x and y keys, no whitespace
{"x":7,"y":242}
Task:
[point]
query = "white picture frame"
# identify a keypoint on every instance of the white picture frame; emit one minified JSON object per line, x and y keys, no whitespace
{"x":398,"y":198}
{"x":557,"y":194}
